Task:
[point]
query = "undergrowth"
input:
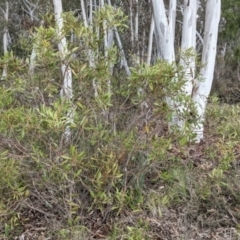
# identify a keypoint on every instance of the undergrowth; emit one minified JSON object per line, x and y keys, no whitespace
{"x":123,"y":174}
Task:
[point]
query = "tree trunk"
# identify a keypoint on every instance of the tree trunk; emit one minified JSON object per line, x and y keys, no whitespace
{"x":188,"y":51}
{"x":150,"y":42}
{"x":66,"y":91}
{"x":203,"y":88}
{"x":165,"y":29}
{"x":164,"y":34}
{"x":5,"y":38}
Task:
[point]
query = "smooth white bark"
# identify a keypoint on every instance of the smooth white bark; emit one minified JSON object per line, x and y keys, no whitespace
{"x":32,"y":62}
{"x":188,"y":48}
{"x":30,"y":8}
{"x":165,"y":29}
{"x":150,"y":42}
{"x":108,"y":43}
{"x":189,"y":43}
{"x":137,"y":60}
{"x":90,"y":53}
{"x":62,"y":47}
{"x":164,"y":34}
{"x":5,"y":38}
{"x":204,"y":85}
{"x":84,"y":15}
{"x":66,"y":91}
{"x":131,"y":23}
{"x":33,"y":56}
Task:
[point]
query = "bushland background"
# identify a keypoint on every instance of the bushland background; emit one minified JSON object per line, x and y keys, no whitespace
{"x":122,"y":174}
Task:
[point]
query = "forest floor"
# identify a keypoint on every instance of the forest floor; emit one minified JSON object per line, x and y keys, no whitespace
{"x":194,"y":219}
{"x":203,"y":200}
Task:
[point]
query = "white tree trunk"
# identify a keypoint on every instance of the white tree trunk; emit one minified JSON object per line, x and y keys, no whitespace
{"x":150,"y":42}
{"x":188,"y":46}
{"x":90,"y":53}
{"x":165,"y":29}
{"x":30,"y":8}
{"x":32,"y":62}
{"x":189,"y":43}
{"x":123,"y":57}
{"x":84,"y":14}
{"x":136,"y":42}
{"x":66,"y":91}
{"x":131,"y":23}
{"x":164,"y":34}
{"x":5,"y":38}
{"x":203,"y":88}
{"x":108,"y":43}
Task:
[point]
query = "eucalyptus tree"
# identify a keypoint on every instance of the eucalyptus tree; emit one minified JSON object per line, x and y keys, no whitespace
{"x":30,"y":9}
{"x":137,"y":45}
{"x":198,"y":88}
{"x":66,"y":91}
{"x":6,"y":37}
{"x":88,"y":21}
